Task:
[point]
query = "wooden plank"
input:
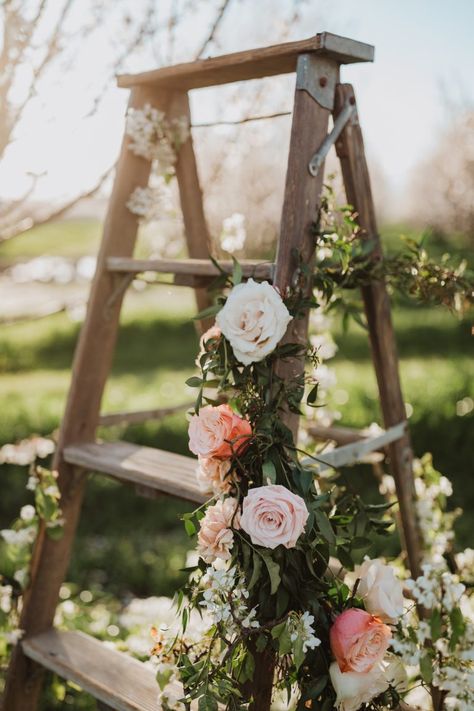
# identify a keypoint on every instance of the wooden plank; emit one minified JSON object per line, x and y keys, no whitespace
{"x":353,"y":452}
{"x":193,"y":267}
{"x":300,"y":209}
{"x":251,"y":64}
{"x":114,"y":678}
{"x":121,"y":418}
{"x":90,"y":369}
{"x":156,"y":469}
{"x":350,"y":149}
{"x":341,"y":435}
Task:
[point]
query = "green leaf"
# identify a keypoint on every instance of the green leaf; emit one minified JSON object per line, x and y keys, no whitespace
{"x":257,"y":567}
{"x":237,"y":272}
{"x":190,"y":527}
{"x":312,"y":396}
{"x":458,"y":627}
{"x":360,"y":542}
{"x":269,"y":471}
{"x":194,"y":382}
{"x":274,"y":573}
{"x":324,"y":526}
{"x":435,"y":624}
{"x":210,"y":311}
{"x":298,"y":654}
{"x":207,"y":703}
{"x":426,"y":668}
{"x":163,"y":677}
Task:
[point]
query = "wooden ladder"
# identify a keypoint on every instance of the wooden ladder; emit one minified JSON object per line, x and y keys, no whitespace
{"x":116,"y":680}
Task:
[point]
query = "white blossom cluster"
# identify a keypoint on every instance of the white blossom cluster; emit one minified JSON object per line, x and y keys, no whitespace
{"x":436,"y":587}
{"x":149,"y":203}
{"x":225,"y":599}
{"x":233,"y":233}
{"x":301,"y":627}
{"x":26,"y":451}
{"x":156,"y":138}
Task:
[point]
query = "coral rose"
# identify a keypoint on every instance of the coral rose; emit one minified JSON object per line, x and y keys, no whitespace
{"x":218,"y":432}
{"x":354,"y":689}
{"x":212,"y":475}
{"x":215,"y":537}
{"x":381,"y":590}
{"x":358,"y":640}
{"x":253,"y":319}
{"x":272,"y":516}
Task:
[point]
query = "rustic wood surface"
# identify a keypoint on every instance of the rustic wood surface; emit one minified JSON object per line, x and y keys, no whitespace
{"x":350,"y":150}
{"x":251,"y":64}
{"x":158,"y":413}
{"x":114,"y":678}
{"x":91,"y":365}
{"x":154,"y":468}
{"x":194,"y":267}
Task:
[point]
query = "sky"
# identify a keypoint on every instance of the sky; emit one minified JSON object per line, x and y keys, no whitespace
{"x":422,"y":75}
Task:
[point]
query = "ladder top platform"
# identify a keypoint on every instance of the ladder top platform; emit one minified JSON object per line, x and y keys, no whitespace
{"x":251,"y":64}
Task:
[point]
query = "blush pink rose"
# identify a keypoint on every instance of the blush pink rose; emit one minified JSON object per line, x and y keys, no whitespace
{"x":215,"y":537}
{"x":358,"y":640}
{"x":212,"y":475}
{"x":218,"y":432}
{"x":273,"y":516}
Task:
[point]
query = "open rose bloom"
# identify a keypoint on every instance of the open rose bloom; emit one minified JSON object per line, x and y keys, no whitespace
{"x":213,"y":475}
{"x":215,"y":537}
{"x":359,"y":640}
{"x":354,"y":689}
{"x":217,"y":432}
{"x":272,"y":516}
{"x":253,"y":319}
{"x":381,"y":590}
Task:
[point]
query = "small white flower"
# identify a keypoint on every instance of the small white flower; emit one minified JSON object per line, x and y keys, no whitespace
{"x":233,"y":234}
{"x":27,"y":512}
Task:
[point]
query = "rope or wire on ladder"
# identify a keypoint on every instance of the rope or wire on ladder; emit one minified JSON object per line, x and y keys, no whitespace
{"x":247,"y":119}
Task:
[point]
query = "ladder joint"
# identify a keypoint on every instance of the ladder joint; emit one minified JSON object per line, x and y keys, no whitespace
{"x":318,"y":76}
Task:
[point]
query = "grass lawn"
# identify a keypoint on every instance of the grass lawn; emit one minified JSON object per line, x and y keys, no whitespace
{"x":130,"y":544}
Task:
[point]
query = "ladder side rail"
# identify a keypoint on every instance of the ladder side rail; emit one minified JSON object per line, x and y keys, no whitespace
{"x":350,"y":150}
{"x":92,"y":361}
{"x":300,"y":208}
{"x":196,"y":230}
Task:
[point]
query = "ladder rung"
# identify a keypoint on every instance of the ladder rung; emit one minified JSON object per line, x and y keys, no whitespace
{"x":120,"y":418}
{"x":189,"y":267}
{"x":154,"y":469}
{"x":251,"y":64}
{"x":114,"y":678}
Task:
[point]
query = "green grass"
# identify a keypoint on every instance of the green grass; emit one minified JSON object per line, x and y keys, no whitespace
{"x":68,"y":238}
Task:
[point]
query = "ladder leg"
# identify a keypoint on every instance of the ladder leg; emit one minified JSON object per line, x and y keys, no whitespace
{"x":91,"y":365}
{"x":300,"y":208}
{"x":190,"y":193}
{"x":350,"y":150}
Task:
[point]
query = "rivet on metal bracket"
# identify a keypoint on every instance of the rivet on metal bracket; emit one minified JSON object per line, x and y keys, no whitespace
{"x":347,"y":113}
{"x":318,"y":76}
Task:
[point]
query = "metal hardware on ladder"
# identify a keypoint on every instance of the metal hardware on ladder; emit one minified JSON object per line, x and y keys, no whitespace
{"x":318,"y":159}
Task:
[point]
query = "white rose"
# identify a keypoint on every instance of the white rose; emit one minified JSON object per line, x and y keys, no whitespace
{"x":254,"y":320}
{"x":356,"y":688}
{"x":380,"y":589}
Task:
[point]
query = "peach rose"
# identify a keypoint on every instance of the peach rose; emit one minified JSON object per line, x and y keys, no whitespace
{"x":358,"y":640}
{"x":212,"y":475}
{"x":218,"y":432}
{"x":272,"y":516}
{"x":215,"y":537}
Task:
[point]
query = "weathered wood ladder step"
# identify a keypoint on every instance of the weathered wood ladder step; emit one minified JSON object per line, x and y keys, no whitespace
{"x":146,"y":467}
{"x":116,"y":680}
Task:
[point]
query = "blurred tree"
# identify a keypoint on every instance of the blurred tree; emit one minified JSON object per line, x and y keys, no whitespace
{"x":443,"y":186}
{"x":41,"y":42}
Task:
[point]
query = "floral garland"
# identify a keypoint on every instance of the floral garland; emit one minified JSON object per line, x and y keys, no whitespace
{"x":265,"y":538}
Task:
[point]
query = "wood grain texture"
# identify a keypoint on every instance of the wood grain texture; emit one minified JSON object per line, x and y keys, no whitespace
{"x":300,"y":210}
{"x":91,"y":365}
{"x":198,"y":239}
{"x":193,"y":267}
{"x":156,"y":469}
{"x":114,"y":678}
{"x":350,"y":150}
{"x":251,"y":64}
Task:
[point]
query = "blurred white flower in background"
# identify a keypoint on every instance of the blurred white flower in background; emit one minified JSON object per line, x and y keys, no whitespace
{"x":233,"y":234}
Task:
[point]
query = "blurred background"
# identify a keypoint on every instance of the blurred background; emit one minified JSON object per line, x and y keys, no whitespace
{"x":61,"y":124}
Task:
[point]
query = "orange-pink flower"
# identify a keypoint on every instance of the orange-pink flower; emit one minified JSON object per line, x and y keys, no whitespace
{"x":218,"y":432}
{"x":358,"y":640}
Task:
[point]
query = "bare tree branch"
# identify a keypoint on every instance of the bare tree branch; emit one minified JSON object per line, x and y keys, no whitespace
{"x":215,"y":26}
